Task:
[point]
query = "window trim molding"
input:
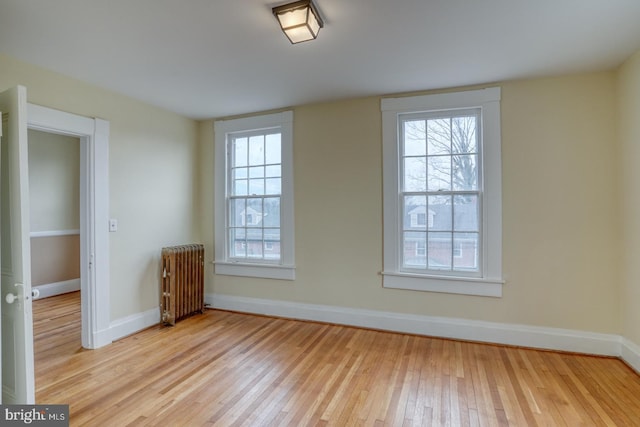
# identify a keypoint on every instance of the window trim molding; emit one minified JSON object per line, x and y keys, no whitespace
{"x":285,"y":269}
{"x":491,"y":282}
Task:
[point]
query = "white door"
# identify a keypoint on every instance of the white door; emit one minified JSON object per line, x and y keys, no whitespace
{"x":18,"y":384}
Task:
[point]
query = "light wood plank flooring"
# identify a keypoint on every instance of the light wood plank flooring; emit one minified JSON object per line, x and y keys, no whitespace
{"x":228,"y":369}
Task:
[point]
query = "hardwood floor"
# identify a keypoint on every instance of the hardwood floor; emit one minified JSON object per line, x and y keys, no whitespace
{"x":229,"y":369}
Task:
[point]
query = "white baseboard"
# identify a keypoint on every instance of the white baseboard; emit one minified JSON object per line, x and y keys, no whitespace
{"x":120,"y":328}
{"x":443,"y":327}
{"x":472,"y":330}
{"x":101,"y":338}
{"x":631,"y":354}
{"x":51,"y":289}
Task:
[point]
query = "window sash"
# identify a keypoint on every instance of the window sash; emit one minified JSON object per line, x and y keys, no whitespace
{"x":246,"y":228}
{"x":251,"y":250}
{"x":439,"y":256}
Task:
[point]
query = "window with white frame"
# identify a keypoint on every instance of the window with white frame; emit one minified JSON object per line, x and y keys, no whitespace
{"x":442,"y":162}
{"x":254,"y":196}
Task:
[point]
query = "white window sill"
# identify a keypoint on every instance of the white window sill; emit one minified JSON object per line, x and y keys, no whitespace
{"x":445,"y":284}
{"x":265,"y":271}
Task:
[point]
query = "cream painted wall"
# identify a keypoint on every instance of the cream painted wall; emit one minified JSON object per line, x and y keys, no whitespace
{"x":561,"y":238}
{"x":560,"y":226}
{"x":54,"y":181}
{"x":152,"y":177}
{"x":55,"y":259}
{"x":629,"y":121}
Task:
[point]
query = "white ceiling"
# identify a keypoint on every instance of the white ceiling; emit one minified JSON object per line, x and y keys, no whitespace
{"x":213,"y":58}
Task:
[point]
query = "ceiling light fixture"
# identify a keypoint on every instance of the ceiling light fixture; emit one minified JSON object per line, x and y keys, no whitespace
{"x":300,"y":20}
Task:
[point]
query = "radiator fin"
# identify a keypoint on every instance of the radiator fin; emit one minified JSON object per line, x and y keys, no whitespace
{"x":182,"y":282}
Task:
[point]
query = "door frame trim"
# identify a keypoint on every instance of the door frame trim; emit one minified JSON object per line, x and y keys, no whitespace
{"x":94,"y":214}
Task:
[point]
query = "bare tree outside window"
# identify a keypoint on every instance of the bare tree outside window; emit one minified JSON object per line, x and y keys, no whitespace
{"x":441,"y":154}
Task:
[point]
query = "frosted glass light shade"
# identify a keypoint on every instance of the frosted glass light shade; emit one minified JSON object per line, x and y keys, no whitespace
{"x":299,"y":20}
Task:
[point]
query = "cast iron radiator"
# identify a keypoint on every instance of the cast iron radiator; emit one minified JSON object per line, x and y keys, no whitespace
{"x":182,"y":292}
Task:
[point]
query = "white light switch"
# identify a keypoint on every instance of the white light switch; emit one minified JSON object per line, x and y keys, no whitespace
{"x":113,"y":225}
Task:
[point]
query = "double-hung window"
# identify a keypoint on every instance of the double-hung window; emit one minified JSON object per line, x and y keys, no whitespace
{"x":442,"y":192}
{"x":254,"y":197}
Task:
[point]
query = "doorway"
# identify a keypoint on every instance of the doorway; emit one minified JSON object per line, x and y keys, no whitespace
{"x":93,"y":136}
{"x":54,"y":207}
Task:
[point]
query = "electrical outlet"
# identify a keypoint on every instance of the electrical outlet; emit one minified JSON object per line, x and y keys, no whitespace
{"x":113,"y":225}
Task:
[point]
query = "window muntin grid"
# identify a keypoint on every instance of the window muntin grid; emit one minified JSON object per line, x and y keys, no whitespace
{"x":254,"y":196}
